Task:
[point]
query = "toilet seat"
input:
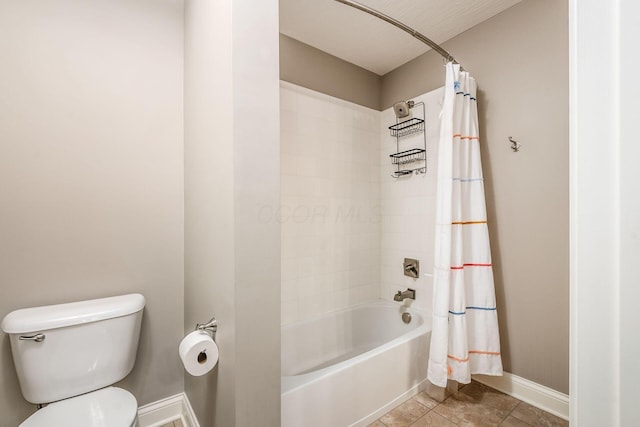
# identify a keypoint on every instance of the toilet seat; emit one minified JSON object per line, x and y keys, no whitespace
{"x":107,"y":407}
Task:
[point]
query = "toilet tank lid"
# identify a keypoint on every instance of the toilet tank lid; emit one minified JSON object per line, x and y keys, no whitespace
{"x":43,"y":318}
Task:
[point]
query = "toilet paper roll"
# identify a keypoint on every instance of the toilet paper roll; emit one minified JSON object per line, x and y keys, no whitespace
{"x":199,"y":353}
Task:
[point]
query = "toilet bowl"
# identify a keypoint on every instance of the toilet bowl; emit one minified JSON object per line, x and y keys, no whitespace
{"x":68,"y":356}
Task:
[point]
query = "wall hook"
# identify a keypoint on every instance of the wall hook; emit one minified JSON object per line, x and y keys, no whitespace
{"x":515,"y":145}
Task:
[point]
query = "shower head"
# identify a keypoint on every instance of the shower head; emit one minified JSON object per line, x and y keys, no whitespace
{"x":402,"y":108}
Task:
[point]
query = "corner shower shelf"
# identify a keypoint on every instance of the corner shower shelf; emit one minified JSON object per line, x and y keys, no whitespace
{"x":408,"y":127}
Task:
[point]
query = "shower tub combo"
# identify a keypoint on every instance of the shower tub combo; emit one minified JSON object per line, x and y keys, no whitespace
{"x":349,"y":367}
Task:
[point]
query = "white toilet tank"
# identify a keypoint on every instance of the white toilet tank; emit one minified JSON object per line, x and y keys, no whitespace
{"x":65,"y":350}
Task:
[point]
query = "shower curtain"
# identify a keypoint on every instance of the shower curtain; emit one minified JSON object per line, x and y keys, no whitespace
{"x":465,"y":338}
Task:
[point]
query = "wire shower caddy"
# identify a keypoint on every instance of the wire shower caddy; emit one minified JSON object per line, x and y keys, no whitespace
{"x":413,"y":156}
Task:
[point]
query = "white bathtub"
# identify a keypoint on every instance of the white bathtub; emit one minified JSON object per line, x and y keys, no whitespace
{"x":350,"y":366}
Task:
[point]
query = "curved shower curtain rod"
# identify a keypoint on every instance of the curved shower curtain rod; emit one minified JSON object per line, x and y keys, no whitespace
{"x":435,"y":46}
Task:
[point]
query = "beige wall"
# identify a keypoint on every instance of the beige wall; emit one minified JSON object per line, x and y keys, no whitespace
{"x":256,"y":134}
{"x":520,"y":61}
{"x":232,"y":255}
{"x":91,"y":176}
{"x":312,"y":68}
{"x":209,"y":201}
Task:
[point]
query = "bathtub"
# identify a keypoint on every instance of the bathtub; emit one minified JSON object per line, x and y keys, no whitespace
{"x":349,"y":367}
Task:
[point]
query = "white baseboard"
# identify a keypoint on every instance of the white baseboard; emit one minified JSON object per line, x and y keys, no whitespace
{"x":534,"y":394}
{"x":164,"y":411}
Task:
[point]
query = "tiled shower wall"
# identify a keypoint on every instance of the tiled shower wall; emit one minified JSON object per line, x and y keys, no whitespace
{"x":408,"y":205}
{"x":347,"y":224}
{"x":330,"y":203}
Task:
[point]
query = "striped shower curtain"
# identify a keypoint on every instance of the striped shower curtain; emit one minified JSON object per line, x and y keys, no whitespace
{"x":465,"y":338}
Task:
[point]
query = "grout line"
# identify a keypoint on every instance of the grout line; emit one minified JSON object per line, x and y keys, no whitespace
{"x":520,"y":419}
{"x":511,"y":411}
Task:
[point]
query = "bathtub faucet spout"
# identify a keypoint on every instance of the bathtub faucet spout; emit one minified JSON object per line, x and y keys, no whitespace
{"x":401,"y":296}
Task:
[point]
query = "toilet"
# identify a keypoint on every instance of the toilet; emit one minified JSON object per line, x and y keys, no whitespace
{"x":68,"y":356}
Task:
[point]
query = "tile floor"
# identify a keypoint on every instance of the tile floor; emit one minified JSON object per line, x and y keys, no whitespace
{"x":176,"y":423}
{"x":473,"y":405}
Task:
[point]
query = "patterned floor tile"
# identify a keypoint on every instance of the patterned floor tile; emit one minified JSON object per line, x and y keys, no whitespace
{"x":488,"y":396}
{"x":537,"y":417}
{"x":425,"y":400}
{"x":404,"y":415}
{"x":512,"y":421}
{"x":431,"y":419}
{"x":464,"y":410}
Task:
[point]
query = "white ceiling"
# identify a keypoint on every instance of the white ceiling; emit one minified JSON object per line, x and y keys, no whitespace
{"x":371,"y":43}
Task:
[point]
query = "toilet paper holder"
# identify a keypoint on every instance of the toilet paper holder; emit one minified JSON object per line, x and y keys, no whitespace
{"x":211,"y":327}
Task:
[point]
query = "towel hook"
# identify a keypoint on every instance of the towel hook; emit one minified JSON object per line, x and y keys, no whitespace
{"x":515,"y":145}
